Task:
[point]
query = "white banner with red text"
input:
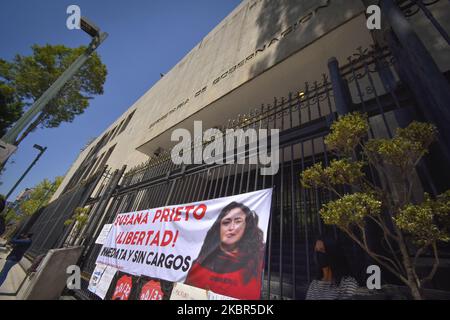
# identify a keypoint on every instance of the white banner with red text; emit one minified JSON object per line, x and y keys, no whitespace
{"x":216,"y":244}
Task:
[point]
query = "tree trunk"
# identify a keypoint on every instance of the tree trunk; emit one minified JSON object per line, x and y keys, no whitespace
{"x":413,"y":282}
{"x":415,"y":291}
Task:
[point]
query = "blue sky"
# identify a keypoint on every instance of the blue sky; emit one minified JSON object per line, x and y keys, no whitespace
{"x":146,"y":38}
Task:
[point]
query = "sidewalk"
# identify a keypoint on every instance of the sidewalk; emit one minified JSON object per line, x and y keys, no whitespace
{"x":11,"y":286}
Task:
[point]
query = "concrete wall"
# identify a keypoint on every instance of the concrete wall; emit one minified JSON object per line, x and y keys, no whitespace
{"x":51,"y":277}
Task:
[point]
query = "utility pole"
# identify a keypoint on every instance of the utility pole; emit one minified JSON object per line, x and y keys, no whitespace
{"x":41,"y":152}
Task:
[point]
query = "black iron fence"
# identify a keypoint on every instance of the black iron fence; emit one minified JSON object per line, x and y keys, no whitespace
{"x":304,"y":119}
{"x":50,"y":229}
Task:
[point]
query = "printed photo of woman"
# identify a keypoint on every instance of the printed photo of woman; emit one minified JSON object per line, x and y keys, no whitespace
{"x":230,"y":261}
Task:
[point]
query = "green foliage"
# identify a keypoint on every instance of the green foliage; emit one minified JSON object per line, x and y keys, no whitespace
{"x":350,"y":209}
{"x":340,"y":172}
{"x":80,"y":216}
{"x":405,"y":149}
{"x":11,"y":107}
{"x":314,"y":177}
{"x":426,"y":222}
{"x":40,"y":196}
{"x":26,"y":78}
{"x":347,"y":133}
{"x":11,"y":216}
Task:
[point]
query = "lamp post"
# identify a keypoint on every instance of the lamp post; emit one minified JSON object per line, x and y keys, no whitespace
{"x":41,"y":151}
{"x":8,"y":141}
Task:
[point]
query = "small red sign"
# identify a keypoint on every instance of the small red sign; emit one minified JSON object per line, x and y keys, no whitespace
{"x":123,"y":288}
{"x":151,"y":291}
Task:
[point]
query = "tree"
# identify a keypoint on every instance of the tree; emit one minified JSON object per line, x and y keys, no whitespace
{"x":80,"y":217}
{"x":40,"y":196}
{"x":11,"y":108}
{"x":26,"y":78}
{"x":410,"y":226}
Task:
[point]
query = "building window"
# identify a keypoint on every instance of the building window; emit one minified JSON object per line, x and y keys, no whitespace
{"x":118,"y":129}
{"x":113,"y":133}
{"x":106,"y":158}
{"x":127,"y":122}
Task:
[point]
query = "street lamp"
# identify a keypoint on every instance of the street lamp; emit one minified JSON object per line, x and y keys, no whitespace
{"x":89,"y":27}
{"x":41,"y":151}
{"x":8,"y":141}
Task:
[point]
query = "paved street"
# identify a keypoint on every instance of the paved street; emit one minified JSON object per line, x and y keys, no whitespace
{"x":15,"y":277}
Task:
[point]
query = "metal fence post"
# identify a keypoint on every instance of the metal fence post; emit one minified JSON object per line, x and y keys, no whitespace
{"x":98,"y":215}
{"x":426,"y":72}
{"x":340,"y":89}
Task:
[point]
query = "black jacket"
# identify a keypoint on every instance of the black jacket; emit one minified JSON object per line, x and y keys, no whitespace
{"x":20,"y":247}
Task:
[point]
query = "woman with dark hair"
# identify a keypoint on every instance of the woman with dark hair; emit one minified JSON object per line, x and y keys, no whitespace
{"x":231,"y":259}
{"x":334,"y":281}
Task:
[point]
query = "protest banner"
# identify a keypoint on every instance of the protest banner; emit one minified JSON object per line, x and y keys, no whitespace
{"x":217,"y":244}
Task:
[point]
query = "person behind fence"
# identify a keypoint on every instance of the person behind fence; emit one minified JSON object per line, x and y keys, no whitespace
{"x":20,"y":246}
{"x":334,"y":279}
{"x":231,"y":258}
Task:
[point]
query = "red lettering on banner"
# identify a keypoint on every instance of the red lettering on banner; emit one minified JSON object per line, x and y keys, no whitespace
{"x":201,"y":208}
{"x":144,"y":221}
{"x":172,"y":216}
{"x":165,"y":215}
{"x":189,"y":208}
{"x":151,"y":238}
{"x":175,"y":238}
{"x":135,"y":236}
{"x":155,"y":240}
{"x":141,"y":238}
{"x":129,"y":237}
{"x":149,"y":234}
{"x":167,"y":238}
{"x":178,"y":215}
{"x":161,"y":215}
{"x":118,"y":237}
{"x":157,"y":215}
{"x":174,"y":213}
{"x":130,"y":220}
